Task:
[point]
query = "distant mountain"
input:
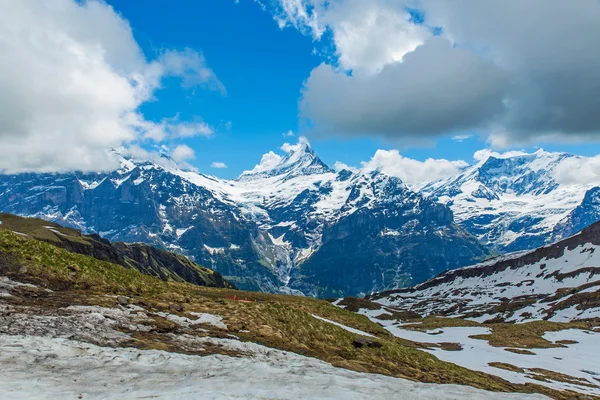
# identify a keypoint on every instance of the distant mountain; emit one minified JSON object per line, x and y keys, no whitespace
{"x":559,"y":282}
{"x":514,"y":203}
{"x":147,"y":259}
{"x":290,"y":225}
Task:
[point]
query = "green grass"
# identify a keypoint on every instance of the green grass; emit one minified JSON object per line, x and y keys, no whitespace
{"x":36,"y":228}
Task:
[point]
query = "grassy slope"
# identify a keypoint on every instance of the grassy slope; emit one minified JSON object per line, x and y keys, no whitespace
{"x":283,"y":322}
{"x":152,"y":261}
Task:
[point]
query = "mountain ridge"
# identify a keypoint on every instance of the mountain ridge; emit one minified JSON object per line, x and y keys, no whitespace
{"x":261,"y":230}
{"x":149,"y":260}
{"x":515,"y":202}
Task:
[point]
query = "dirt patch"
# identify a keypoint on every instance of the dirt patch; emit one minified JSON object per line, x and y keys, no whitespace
{"x":520,"y":351}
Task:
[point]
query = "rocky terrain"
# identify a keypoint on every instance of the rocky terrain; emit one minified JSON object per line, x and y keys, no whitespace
{"x":559,"y":282}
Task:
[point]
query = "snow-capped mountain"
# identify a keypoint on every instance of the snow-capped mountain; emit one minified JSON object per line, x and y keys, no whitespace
{"x":558,"y":282}
{"x":516,"y":202}
{"x":291,"y":224}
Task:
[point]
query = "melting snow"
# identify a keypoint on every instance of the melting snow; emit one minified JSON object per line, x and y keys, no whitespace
{"x":43,"y":368}
{"x":349,"y":329}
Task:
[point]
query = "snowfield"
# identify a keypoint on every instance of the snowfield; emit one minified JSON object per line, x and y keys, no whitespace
{"x":43,"y":368}
{"x":578,"y":360}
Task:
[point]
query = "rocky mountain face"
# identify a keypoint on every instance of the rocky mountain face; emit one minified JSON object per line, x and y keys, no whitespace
{"x":515,"y":202}
{"x":559,"y":282}
{"x":290,"y":225}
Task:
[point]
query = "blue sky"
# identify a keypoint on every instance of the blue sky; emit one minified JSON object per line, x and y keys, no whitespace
{"x":262,"y":68}
{"x":368,"y":75}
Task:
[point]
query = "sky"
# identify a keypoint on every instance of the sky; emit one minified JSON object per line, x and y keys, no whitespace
{"x":218,"y":83}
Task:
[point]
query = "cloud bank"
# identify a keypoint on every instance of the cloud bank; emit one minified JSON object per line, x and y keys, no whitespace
{"x":521,"y":72}
{"x":72,"y":78}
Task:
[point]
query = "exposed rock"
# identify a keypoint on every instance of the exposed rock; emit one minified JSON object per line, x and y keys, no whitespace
{"x":147,"y":259}
{"x":362,"y":342}
{"x":176,"y":307}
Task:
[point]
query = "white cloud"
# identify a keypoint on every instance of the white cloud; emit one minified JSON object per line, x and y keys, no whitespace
{"x":218,"y":164}
{"x":483,"y":154}
{"x":190,"y":129}
{"x":267,"y":162}
{"x":546,"y":50}
{"x":72,"y":79}
{"x":301,"y":15}
{"x":460,"y":138}
{"x":578,"y":171}
{"x":289,"y":134}
{"x":367,"y":34}
{"x":183,"y":153}
{"x":288,"y":147}
{"x":340,"y":166}
{"x":413,"y":173}
{"x":191,"y":67}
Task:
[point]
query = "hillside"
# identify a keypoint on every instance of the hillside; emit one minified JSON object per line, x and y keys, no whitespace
{"x":558,"y":282}
{"x":66,"y":304}
{"x":531,"y":316}
{"x":151,"y":261}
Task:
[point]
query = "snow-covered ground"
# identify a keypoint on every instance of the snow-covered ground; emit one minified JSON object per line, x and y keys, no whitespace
{"x":579,"y":360}
{"x":349,"y":329}
{"x":481,"y":287}
{"x":43,"y":368}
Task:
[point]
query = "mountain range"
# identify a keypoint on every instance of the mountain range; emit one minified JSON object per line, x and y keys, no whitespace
{"x":556,"y":282}
{"x":294,"y":225}
{"x":516,"y":201}
{"x":529,"y":317}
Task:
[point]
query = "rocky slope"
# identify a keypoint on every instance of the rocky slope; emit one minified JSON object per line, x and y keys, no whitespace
{"x":558,"y":282}
{"x":290,"y":225}
{"x":146,"y":259}
{"x":516,"y":202}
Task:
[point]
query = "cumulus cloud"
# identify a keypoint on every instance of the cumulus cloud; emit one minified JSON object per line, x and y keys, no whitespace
{"x":182,"y":153}
{"x":288,"y":147}
{"x":267,"y":162}
{"x":340,"y":166}
{"x":578,"y":171}
{"x":558,"y":72}
{"x":484,"y":154}
{"x":218,"y":165}
{"x":73,"y":78}
{"x":367,"y":34}
{"x":413,"y":173}
{"x":415,"y":98}
{"x":546,"y":50}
